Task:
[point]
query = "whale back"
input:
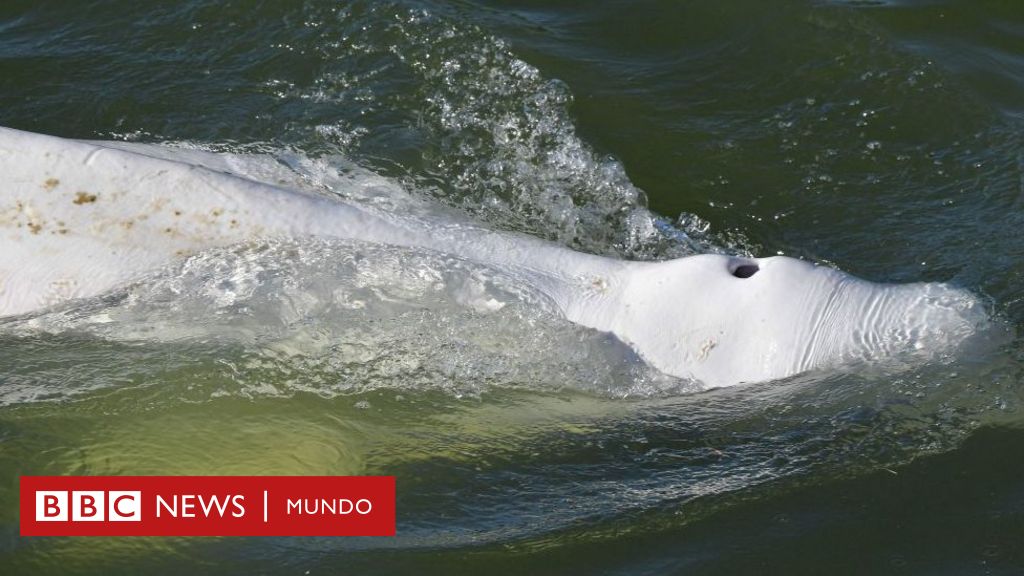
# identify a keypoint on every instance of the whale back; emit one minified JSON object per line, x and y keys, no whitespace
{"x":77,"y":218}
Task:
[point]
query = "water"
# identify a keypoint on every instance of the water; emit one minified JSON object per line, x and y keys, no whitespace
{"x":878,"y":137}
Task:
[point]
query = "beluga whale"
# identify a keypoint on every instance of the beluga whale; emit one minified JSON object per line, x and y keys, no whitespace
{"x":79,"y":218}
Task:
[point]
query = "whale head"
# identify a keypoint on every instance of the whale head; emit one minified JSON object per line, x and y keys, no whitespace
{"x":726,"y":320}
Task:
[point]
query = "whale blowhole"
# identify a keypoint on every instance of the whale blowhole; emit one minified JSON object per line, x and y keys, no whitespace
{"x":745,"y":270}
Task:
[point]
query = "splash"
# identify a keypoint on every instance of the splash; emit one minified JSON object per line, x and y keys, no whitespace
{"x":488,"y":133}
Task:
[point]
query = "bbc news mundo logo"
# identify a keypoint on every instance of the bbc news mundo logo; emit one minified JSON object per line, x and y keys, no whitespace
{"x":207,"y":505}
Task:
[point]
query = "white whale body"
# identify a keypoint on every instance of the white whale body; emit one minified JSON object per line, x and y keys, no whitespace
{"x":80,"y":218}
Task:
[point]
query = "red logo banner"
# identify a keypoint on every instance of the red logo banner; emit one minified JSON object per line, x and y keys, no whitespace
{"x":207,"y":505}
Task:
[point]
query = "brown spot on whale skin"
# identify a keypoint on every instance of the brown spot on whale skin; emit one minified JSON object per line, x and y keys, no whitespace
{"x":34,"y":227}
{"x":216,"y":212}
{"x":127,"y":224}
{"x":177,"y":212}
{"x":51,"y":183}
{"x":84,"y":198}
{"x":234,"y":223}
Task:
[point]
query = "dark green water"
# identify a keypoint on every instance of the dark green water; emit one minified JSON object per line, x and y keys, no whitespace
{"x":882,"y":138}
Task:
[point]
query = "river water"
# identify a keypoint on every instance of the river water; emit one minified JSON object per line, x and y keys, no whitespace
{"x":878,"y":137}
